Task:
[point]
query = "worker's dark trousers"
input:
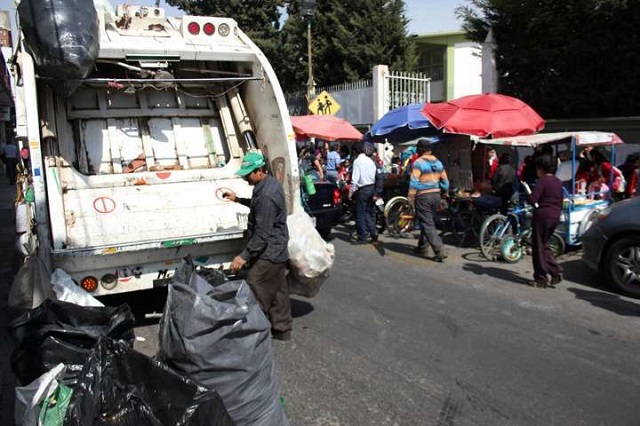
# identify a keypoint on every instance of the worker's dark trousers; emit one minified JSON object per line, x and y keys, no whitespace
{"x":543,"y":261}
{"x":268,"y":281}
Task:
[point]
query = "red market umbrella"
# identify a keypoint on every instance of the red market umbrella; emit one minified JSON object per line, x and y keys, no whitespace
{"x":488,"y":115}
{"x":326,"y":127}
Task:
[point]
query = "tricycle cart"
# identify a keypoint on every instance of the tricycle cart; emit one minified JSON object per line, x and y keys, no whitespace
{"x":580,"y":206}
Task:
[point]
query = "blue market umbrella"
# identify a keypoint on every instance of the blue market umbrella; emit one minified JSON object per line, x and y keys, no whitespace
{"x":402,"y":124}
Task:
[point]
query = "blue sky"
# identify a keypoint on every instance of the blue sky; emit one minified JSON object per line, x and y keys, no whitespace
{"x":426,"y":16}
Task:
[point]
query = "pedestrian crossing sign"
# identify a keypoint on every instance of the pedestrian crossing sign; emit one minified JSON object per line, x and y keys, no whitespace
{"x":324,"y":104}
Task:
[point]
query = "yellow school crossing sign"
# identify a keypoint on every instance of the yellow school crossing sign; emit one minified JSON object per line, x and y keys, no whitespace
{"x":324,"y":104}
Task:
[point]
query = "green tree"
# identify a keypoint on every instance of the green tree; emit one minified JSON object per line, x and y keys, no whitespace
{"x":572,"y":58}
{"x":260,"y":20}
{"x":348,"y":39}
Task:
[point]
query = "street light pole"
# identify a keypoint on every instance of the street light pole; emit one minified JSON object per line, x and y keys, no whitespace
{"x":307,"y":9}
{"x":311,"y":86}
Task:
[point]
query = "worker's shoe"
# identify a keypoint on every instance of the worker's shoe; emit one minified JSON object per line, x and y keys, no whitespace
{"x":422,"y":251}
{"x":538,"y":283}
{"x":440,"y":256}
{"x":285,"y":337}
{"x":555,"y":279}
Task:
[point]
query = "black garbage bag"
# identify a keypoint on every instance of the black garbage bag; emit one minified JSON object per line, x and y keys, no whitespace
{"x":62,"y":36}
{"x":60,"y":332}
{"x":219,"y":337}
{"x":119,"y":386}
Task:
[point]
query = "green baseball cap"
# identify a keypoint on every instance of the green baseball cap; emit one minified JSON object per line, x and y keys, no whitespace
{"x":250,"y":162}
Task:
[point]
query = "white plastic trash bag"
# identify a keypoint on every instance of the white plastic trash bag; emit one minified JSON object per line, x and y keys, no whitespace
{"x":68,"y":291}
{"x":29,"y":397}
{"x":310,"y":257}
{"x":31,"y":285}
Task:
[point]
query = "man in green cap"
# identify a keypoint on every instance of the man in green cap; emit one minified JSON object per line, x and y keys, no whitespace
{"x":266,"y":250}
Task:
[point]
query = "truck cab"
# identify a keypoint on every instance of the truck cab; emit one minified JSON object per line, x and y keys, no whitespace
{"x":128,"y":170}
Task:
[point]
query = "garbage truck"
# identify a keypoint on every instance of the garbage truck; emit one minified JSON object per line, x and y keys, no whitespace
{"x":129,"y":158}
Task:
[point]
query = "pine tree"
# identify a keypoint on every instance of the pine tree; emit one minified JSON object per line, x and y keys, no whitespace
{"x":573,"y":58}
{"x":348,"y":39}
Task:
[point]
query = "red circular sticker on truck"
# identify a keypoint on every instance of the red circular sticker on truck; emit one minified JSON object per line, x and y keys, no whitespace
{"x":104,"y":205}
{"x":220,"y":193}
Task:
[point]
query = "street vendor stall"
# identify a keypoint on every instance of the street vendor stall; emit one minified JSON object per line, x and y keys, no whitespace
{"x":580,"y":206}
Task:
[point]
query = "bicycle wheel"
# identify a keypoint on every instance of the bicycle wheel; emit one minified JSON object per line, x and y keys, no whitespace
{"x":455,"y":223}
{"x":400,"y":217}
{"x":395,"y":201}
{"x":476,"y":221}
{"x":556,"y":244}
{"x":463,"y":225}
{"x":492,"y":231}
{"x":511,"y":249}
{"x":405,"y":220}
{"x":391,"y":212}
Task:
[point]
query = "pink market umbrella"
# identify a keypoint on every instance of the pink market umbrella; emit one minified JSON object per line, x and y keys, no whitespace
{"x":326,"y":127}
{"x":488,"y":115}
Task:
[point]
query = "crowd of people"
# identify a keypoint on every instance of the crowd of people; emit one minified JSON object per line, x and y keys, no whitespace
{"x":327,"y":161}
{"x":595,"y":176}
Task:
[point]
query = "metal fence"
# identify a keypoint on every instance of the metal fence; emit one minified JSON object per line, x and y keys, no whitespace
{"x":357,"y":98}
{"x":404,"y":88}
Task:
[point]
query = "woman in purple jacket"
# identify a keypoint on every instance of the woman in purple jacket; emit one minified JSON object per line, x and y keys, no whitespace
{"x":547,"y":201}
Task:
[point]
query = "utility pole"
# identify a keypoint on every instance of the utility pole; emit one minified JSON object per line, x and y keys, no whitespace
{"x":308,"y":8}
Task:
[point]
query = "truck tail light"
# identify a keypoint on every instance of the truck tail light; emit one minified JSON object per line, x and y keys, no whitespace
{"x":193,"y":28}
{"x":209,"y":28}
{"x":337,"y":197}
{"x":109,"y":281}
{"x":89,"y":283}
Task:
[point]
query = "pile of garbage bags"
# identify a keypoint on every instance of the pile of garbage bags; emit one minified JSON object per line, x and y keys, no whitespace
{"x":76,"y":366}
{"x":75,"y":363}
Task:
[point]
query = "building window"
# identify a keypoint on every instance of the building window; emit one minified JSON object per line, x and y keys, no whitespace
{"x":432,"y":62}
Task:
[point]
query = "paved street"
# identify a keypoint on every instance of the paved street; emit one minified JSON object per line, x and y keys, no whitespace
{"x":399,"y":340}
{"x":393,"y":339}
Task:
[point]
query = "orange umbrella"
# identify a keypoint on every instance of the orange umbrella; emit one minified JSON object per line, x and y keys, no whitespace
{"x":326,"y":127}
{"x":485,"y":115}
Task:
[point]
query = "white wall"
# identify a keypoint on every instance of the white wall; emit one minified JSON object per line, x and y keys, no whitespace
{"x":467,"y":76}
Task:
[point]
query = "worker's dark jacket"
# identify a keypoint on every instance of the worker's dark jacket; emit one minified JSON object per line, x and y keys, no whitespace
{"x":268,"y":233}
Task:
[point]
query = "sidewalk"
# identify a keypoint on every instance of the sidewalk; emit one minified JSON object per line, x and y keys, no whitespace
{"x":7,"y":256}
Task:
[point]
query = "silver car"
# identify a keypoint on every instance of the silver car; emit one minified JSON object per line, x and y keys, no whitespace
{"x":612,"y":245}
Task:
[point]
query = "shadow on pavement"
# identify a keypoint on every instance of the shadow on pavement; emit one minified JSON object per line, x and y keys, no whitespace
{"x":300,"y":308}
{"x":576,"y":271}
{"x":500,"y":272}
{"x":610,"y":302}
